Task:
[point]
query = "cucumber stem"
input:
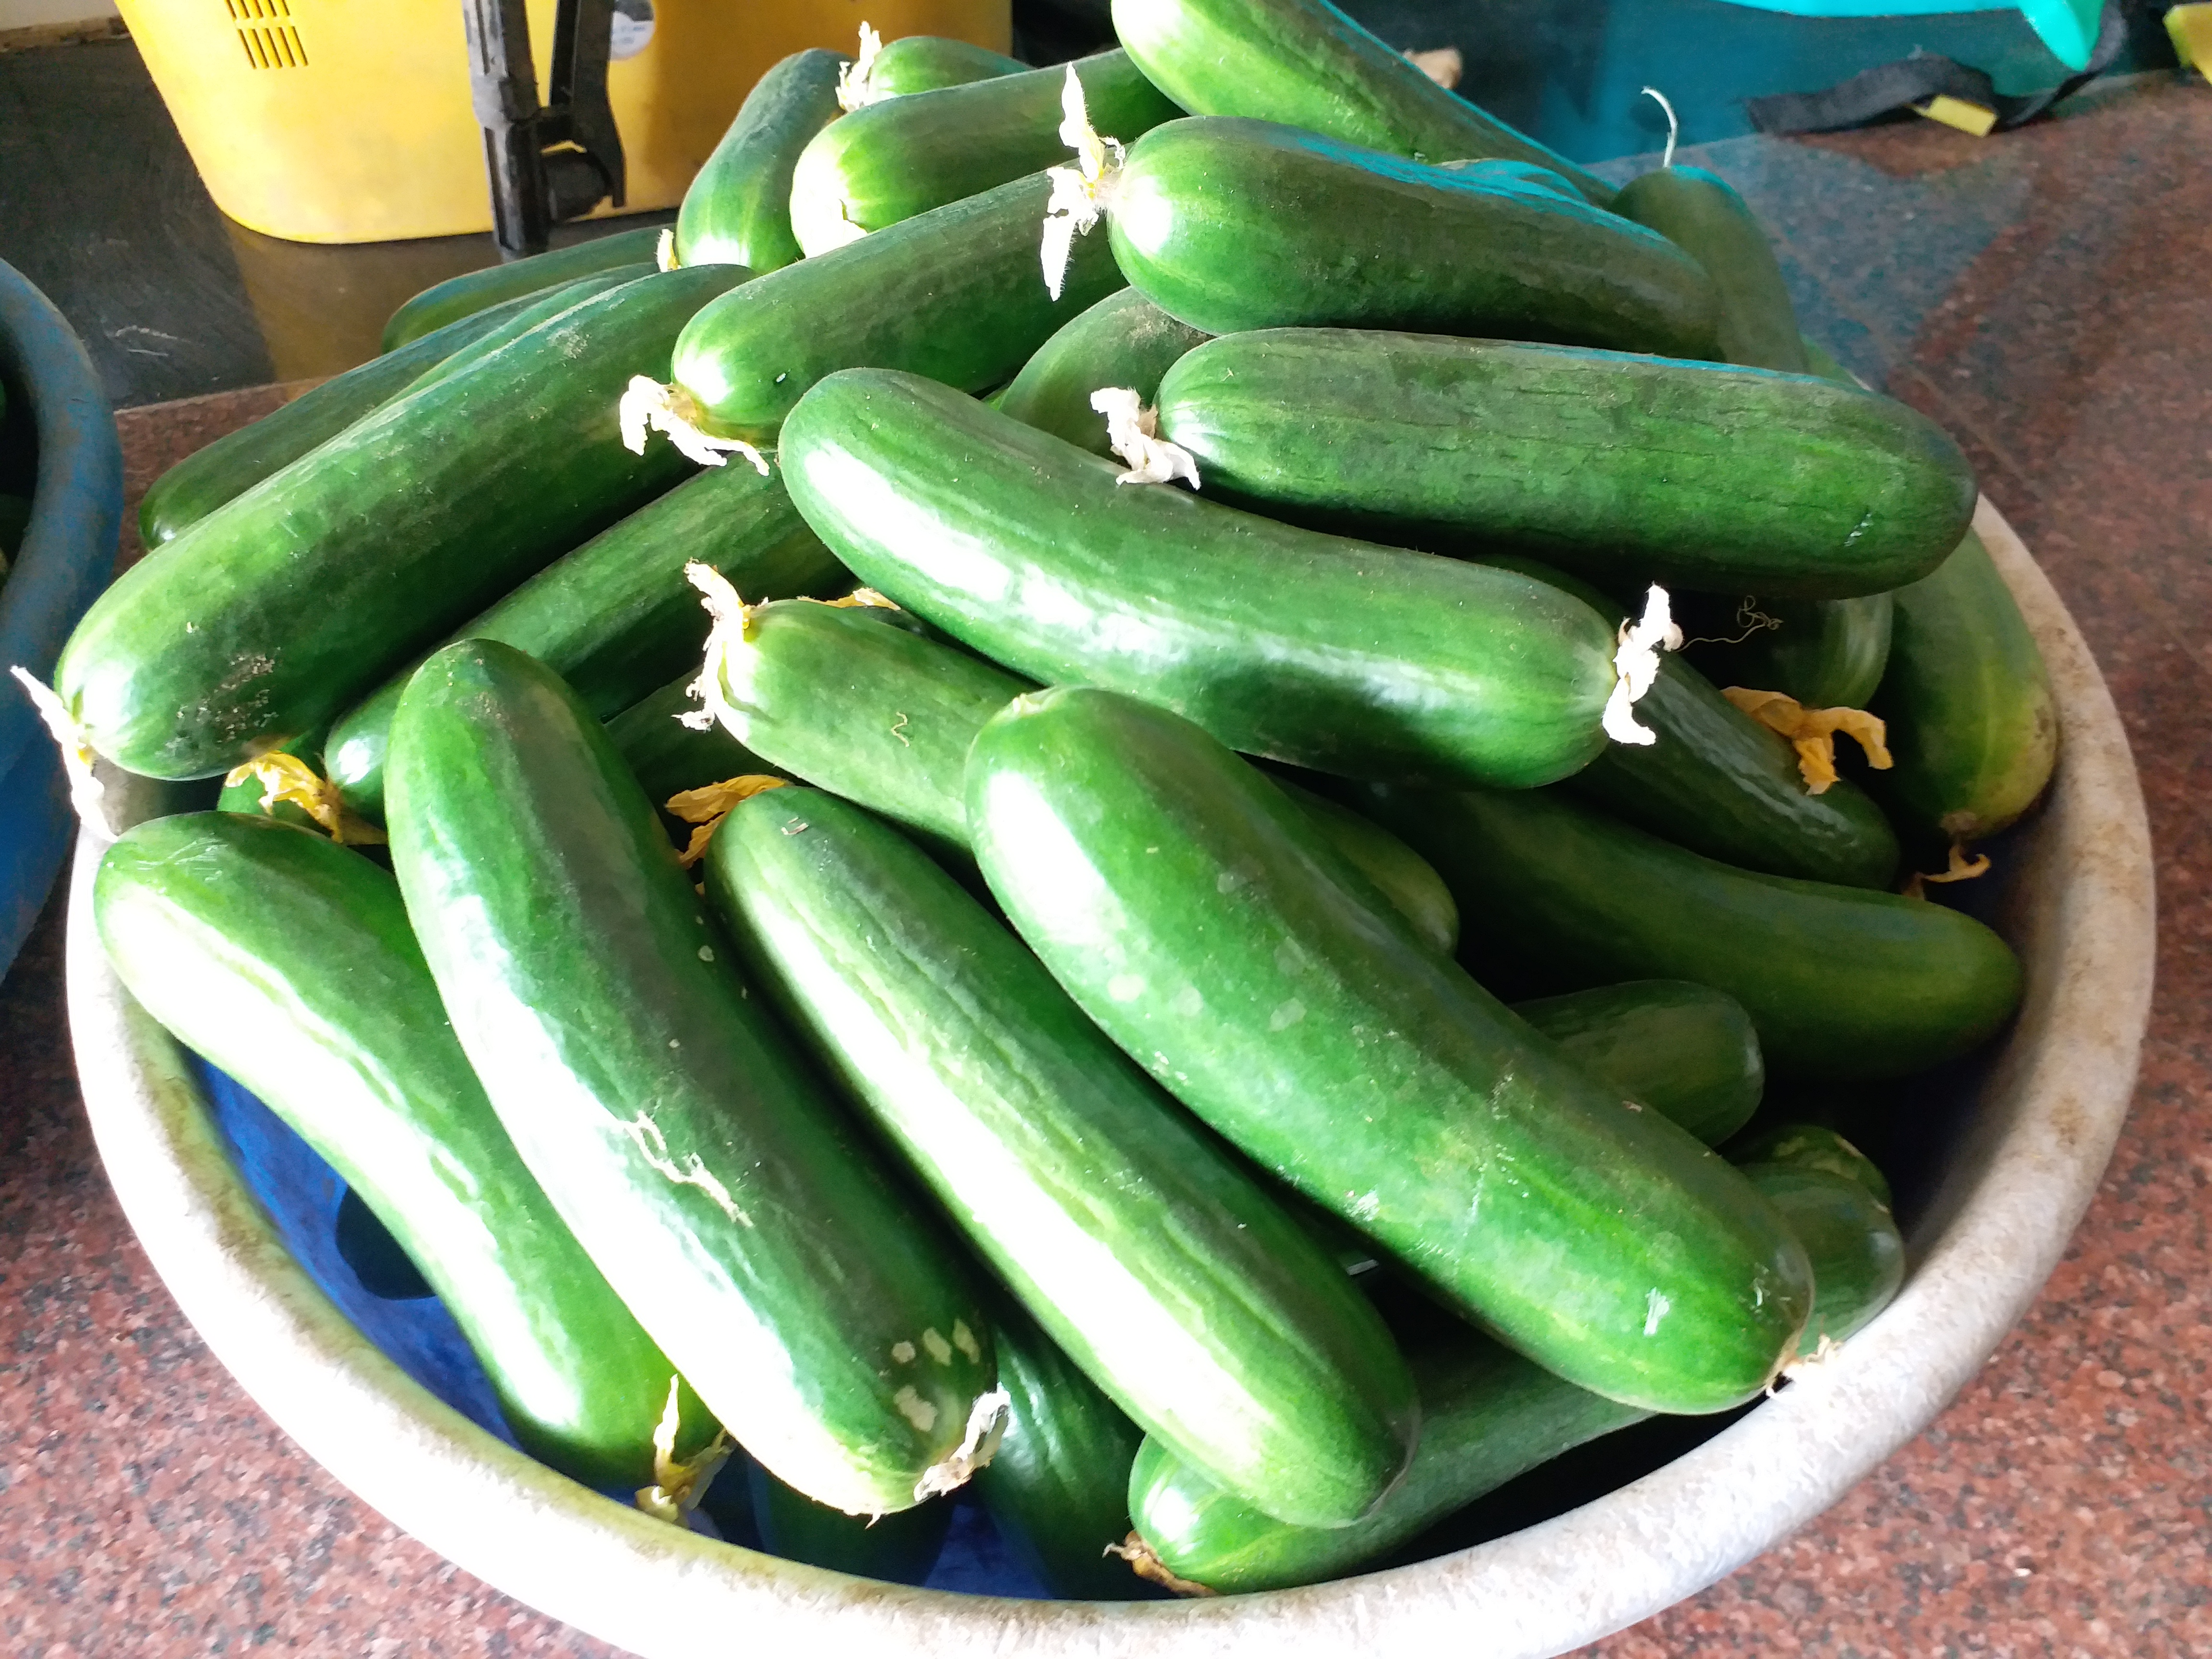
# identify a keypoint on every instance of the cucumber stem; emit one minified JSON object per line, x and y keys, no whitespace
{"x":670,"y":409}
{"x":77,"y":752}
{"x":854,"y":87}
{"x":1636,"y":667}
{"x":1082,"y":193}
{"x":1673,"y":126}
{"x":1144,"y":1561}
{"x":987,"y":1425}
{"x":679,"y":1483}
{"x":1133,"y":433}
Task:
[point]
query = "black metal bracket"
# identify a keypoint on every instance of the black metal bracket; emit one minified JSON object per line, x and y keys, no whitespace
{"x":548,"y":161}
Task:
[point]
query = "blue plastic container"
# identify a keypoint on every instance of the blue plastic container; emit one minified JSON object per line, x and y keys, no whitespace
{"x":67,"y":556}
{"x":2068,"y":27}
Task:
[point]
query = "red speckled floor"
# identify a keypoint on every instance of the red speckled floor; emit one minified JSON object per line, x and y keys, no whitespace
{"x":2042,"y":293}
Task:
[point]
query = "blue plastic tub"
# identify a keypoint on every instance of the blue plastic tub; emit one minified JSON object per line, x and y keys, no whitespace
{"x":67,"y":557}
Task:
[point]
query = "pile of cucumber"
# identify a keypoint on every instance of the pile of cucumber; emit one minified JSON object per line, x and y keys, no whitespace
{"x":1026,"y":1016}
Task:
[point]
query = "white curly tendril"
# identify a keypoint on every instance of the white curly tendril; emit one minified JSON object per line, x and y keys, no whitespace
{"x":1132,"y":432}
{"x":1082,"y":193}
{"x":1636,"y":666}
{"x":670,"y":409}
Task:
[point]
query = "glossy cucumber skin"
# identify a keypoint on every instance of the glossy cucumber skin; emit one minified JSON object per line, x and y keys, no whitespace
{"x":902,"y":156}
{"x":738,"y":209}
{"x":1328,"y":653}
{"x":953,"y":294}
{"x":238,"y":460}
{"x":1233,"y":225}
{"x":1615,"y":465}
{"x":923,"y":62}
{"x":1058,"y":1487}
{"x":1402,"y":876}
{"x":478,"y":290}
{"x":1123,"y":340}
{"x":1488,"y":1415}
{"x":667,"y":756}
{"x":1827,"y":653}
{"x":539,"y":308}
{"x":849,"y":700}
{"x":1305,"y":64}
{"x":1813,"y":1146}
{"x":899,"y":1549}
{"x":731,"y":1206}
{"x":1160,"y":1267}
{"x":615,"y":617}
{"x":1839,"y":982}
{"x":1192,"y":912}
{"x":1701,"y":213}
{"x":277,"y":612}
{"x":1682,"y":1049}
{"x":288,"y":962}
{"x":1973,"y":724}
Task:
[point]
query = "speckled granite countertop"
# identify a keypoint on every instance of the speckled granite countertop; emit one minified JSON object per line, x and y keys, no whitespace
{"x":2045,"y":296}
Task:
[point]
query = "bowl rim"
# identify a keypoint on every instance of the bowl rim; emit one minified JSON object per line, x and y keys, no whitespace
{"x":2049,"y":1111}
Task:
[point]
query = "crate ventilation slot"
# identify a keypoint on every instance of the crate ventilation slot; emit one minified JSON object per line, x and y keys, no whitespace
{"x":265,"y":34}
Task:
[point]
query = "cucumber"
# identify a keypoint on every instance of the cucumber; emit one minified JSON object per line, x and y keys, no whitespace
{"x":1327,"y":653}
{"x":1232,"y":225}
{"x":1701,"y":213}
{"x":1839,"y":982}
{"x":1813,"y":1146}
{"x":1123,"y":340}
{"x":1058,"y":1487}
{"x":1399,"y":875}
{"x":1685,"y":1050}
{"x":1517,"y":175}
{"x":278,"y":610}
{"x":735,"y":1212}
{"x":288,"y":962}
{"x":238,"y":460}
{"x":890,"y":160}
{"x":539,"y":309}
{"x":1192,"y":912}
{"x":1160,"y":1267}
{"x":738,"y":209}
{"x":1614,"y":465}
{"x":615,"y":618}
{"x":479,"y":290}
{"x":1827,"y":653}
{"x":855,"y":700}
{"x":952,"y":293}
{"x":1973,"y":725}
{"x":1304,"y":63}
{"x":923,"y":62}
{"x":899,"y":1549}
{"x":1488,"y":1415}
{"x":667,"y":756}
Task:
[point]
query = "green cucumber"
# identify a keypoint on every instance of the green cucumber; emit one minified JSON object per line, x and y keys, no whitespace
{"x":1160,"y":1266}
{"x":615,"y":617}
{"x":667,"y":756}
{"x":952,"y":293}
{"x":238,"y":460}
{"x":1489,"y":1415}
{"x":1685,"y":1050}
{"x":1058,"y":1487}
{"x":1839,"y":982}
{"x":1124,"y":340}
{"x":539,"y":309}
{"x":1201,"y":920}
{"x":1813,"y":1146}
{"x":1517,"y":175}
{"x":1695,"y":475}
{"x":738,"y":1215}
{"x":1398,"y":874}
{"x":277,"y":612}
{"x":288,"y":962}
{"x":738,"y":209}
{"x":1232,"y":225}
{"x":479,"y":290}
{"x":899,"y":1549}
{"x":1701,"y":213}
{"x":1973,"y":725}
{"x":890,"y":160}
{"x":1304,"y":63}
{"x":1826,"y":654}
{"x":856,"y":702}
{"x":924,"y":63}
{"x":1333,"y":654}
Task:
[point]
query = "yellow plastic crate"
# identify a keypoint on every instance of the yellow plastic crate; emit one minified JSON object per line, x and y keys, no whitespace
{"x":349,"y":120}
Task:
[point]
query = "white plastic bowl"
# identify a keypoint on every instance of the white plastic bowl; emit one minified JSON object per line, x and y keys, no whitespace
{"x":2080,"y":914}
